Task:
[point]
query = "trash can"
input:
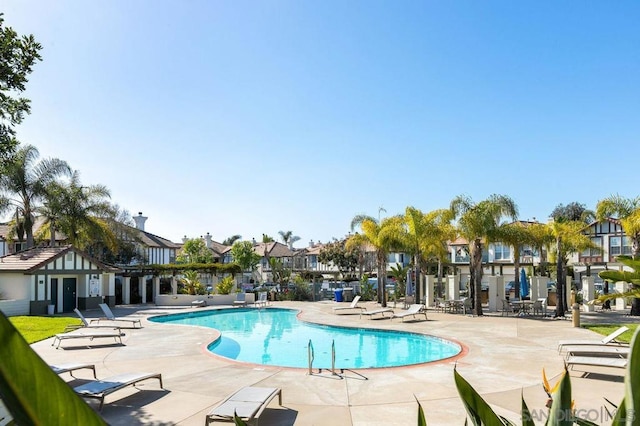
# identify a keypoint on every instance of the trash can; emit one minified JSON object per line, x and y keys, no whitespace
{"x":347,"y":294}
{"x":51,"y":309}
{"x":338,"y":294}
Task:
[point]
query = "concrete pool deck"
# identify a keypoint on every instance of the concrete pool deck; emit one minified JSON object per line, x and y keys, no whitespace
{"x":504,"y":358}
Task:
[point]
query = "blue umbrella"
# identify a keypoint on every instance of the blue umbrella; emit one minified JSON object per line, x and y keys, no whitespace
{"x":524,"y":284}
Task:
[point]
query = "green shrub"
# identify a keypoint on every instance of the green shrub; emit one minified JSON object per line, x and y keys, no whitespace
{"x":225,"y":285}
{"x":300,"y":292}
{"x":366,"y":289}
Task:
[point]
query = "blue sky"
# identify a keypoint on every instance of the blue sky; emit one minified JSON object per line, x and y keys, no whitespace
{"x":234,"y":117}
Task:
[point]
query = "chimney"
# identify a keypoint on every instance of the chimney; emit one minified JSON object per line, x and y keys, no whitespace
{"x":184,"y":239}
{"x":207,"y":240}
{"x":253,"y":241}
{"x":140,"y":220}
{"x":311,"y":244}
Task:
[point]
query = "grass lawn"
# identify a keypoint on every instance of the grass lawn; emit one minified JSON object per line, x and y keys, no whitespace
{"x":606,"y":329}
{"x":34,"y":328}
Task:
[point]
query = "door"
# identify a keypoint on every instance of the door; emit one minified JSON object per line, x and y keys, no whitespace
{"x":54,"y":293}
{"x":68,"y":294}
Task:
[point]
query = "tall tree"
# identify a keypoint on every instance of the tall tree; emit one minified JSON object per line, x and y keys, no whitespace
{"x":567,"y":228}
{"x":288,"y":238}
{"x":515,"y":234}
{"x":244,"y":255}
{"x":541,"y":238}
{"x":373,"y":233}
{"x":195,"y":251}
{"x":569,"y":239}
{"x":627,"y":210}
{"x":17,"y":57}
{"x":25,"y":181}
{"x":84,"y":213}
{"x":230,"y":240}
{"x":126,"y":252}
{"x":267,"y":239}
{"x":343,"y":258}
{"x":478,"y":222}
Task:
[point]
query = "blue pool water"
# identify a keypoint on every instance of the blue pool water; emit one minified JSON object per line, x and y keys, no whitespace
{"x":276,"y":337}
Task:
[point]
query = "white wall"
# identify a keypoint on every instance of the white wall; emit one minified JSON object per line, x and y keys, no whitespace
{"x":15,"y":286}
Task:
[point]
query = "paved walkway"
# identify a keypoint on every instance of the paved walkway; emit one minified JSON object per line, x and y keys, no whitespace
{"x":504,"y":358}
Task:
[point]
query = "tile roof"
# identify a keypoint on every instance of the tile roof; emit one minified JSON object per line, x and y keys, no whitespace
{"x":33,"y":259}
{"x":273,"y":249}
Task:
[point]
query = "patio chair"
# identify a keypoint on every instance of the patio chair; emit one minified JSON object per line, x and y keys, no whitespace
{"x":597,"y":350}
{"x":466,"y":306}
{"x":596,"y":361}
{"x":441,"y":305}
{"x":109,"y":316}
{"x":539,"y":307}
{"x":371,"y":313}
{"x":607,"y":340}
{"x":353,"y":305}
{"x":99,"y":389}
{"x":241,"y":299}
{"x":262,"y":299}
{"x":505,"y":307}
{"x":415,"y":309}
{"x":84,"y":333}
{"x":73,"y":366}
{"x":248,"y":404}
{"x":85,"y":323}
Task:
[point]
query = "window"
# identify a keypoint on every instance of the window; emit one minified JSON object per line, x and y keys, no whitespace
{"x":501,"y":252}
{"x":619,"y":245}
{"x":594,"y":252}
{"x":615,"y":246}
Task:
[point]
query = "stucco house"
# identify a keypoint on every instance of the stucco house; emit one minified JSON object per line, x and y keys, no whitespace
{"x":53,"y":279}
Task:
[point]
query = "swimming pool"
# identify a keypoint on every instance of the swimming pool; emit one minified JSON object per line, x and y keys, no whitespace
{"x":277,"y":337}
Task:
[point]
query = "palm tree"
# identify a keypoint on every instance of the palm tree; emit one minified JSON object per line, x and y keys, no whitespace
{"x":422,"y":236}
{"x":541,"y":238}
{"x":24,"y":183}
{"x":373,"y":233}
{"x":515,"y":234}
{"x":267,"y":239}
{"x":478,"y":222}
{"x":399,"y":273}
{"x":567,"y":226}
{"x":85,"y":213}
{"x":569,"y":239}
{"x":232,"y":239}
{"x":288,"y":238}
{"x":627,"y":211}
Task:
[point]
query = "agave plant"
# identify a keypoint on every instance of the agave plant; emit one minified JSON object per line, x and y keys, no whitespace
{"x":561,"y":406}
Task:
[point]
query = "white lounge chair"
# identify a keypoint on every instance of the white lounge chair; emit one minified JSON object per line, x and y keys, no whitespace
{"x":376,"y":312}
{"x":86,"y":323}
{"x":85,"y":333}
{"x":200,"y":303}
{"x":241,"y":299}
{"x":597,"y":350}
{"x":99,"y":389}
{"x":597,"y":361}
{"x":109,"y":316}
{"x":610,"y":339}
{"x":353,"y":305}
{"x":247,"y":403}
{"x":73,"y":366}
{"x":415,"y":309}
{"x":262,"y":299}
